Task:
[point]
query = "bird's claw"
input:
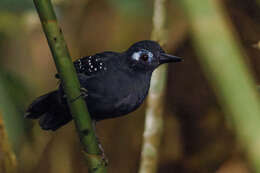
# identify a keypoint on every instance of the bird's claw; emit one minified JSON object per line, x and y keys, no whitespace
{"x":83,"y":93}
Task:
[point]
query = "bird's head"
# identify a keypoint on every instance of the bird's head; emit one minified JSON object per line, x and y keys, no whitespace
{"x":147,"y":55}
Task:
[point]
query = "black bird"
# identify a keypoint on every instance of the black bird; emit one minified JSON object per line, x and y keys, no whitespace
{"x":116,"y":84}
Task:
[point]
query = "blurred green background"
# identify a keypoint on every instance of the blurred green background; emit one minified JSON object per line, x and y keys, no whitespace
{"x":198,"y":137}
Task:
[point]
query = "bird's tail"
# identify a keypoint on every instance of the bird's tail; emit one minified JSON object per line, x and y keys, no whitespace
{"x":51,"y":110}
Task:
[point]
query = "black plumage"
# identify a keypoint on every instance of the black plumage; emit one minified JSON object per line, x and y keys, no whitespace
{"x":116,"y":84}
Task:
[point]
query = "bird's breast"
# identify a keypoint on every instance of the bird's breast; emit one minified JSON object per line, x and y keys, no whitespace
{"x":122,"y":96}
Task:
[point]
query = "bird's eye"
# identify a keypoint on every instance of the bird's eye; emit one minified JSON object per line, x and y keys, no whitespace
{"x":144,"y":57}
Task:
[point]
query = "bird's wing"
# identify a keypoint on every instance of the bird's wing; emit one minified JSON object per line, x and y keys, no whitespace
{"x":92,"y":65}
{"x":94,"y":72}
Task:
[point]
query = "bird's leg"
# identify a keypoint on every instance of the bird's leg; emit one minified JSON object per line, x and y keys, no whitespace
{"x":104,"y":158}
{"x":83,"y":93}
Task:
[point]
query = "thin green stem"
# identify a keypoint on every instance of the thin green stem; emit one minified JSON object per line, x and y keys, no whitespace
{"x":154,"y":111}
{"x":71,"y":86}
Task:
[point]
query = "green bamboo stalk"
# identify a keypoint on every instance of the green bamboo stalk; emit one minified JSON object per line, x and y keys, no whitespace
{"x":8,"y":162}
{"x":222,"y":59}
{"x":154,"y":111}
{"x":71,"y":86}
{"x":10,"y":116}
{"x":258,"y":1}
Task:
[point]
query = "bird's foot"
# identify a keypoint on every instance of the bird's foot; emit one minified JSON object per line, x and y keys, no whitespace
{"x":83,"y":93}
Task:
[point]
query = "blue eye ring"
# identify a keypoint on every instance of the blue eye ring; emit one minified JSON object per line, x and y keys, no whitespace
{"x":143,"y":55}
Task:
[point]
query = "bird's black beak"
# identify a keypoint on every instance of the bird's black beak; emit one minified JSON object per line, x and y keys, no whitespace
{"x":166,"y":58}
